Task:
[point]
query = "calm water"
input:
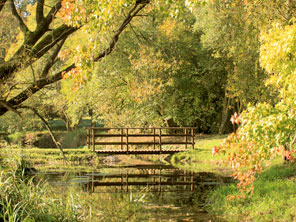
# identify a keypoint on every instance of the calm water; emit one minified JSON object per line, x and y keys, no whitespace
{"x":170,"y":194}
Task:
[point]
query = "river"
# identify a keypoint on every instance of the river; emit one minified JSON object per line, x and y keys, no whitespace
{"x":164,"y":192}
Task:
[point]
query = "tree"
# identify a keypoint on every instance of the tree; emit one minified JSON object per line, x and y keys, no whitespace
{"x":268,"y":129}
{"x":233,"y":35}
{"x":159,"y":74}
{"x":44,"y":40}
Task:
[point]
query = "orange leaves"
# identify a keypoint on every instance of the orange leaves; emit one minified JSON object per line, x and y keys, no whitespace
{"x":77,"y":75}
{"x":215,"y":150}
{"x":235,"y":119}
{"x":244,"y":158}
{"x":287,"y":155}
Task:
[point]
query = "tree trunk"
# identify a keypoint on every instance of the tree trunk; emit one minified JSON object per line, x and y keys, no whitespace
{"x":226,"y":126}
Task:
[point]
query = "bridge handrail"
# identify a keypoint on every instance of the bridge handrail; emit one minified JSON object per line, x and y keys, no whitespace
{"x":108,"y":128}
{"x":157,"y":135}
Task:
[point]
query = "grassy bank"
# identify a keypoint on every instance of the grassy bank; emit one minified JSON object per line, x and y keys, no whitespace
{"x":274,"y":197}
{"x":200,"y":159}
{"x":78,"y":159}
{"x":51,"y":159}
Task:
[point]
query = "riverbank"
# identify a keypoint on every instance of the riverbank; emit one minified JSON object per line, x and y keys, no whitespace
{"x":78,"y":159}
{"x":80,"y":205}
{"x":274,"y":196}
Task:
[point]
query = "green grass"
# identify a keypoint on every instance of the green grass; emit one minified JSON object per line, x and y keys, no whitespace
{"x":200,"y":159}
{"x":22,"y":198}
{"x":51,"y":159}
{"x":274,"y":196}
{"x":25,"y":198}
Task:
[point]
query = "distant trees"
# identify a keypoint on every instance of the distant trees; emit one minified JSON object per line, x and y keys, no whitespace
{"x":159,"y":74}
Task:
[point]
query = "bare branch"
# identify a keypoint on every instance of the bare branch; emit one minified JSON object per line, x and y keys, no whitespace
{"x":47,"y":127}
{"x":23,"y":26}
{"x":39,"y":11}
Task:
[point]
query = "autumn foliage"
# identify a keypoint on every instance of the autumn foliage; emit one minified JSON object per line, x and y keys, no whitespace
{"x":247,"y":155}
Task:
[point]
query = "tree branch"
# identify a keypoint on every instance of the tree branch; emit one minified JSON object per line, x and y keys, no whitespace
{"x":2,"y":3}
{"x":54,"y":10}
{"x":52,"y":59}
{"x":23,"y":58}
{"x":35,"y":87}
{"x":39,"y":11}
{"x":132,"y":13}
{"x":47,"y":127}
{"x":23,"y":26}
{"x":51,"y":39}
{"x":10,"y":108}
{"x":39,"y":84}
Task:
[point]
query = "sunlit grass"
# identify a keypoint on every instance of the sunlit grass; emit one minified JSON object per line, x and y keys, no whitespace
{"x":274,"y":198}
{"x":201,"y":159}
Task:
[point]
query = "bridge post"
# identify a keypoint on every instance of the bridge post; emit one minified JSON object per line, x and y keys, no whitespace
{"x":127,"y":140}
{"x":192,"y":134}
{"x":159,"y":181}
{"x":121,"y":139}
{"x":160,"y":140}
{"x":88,"y":138}
{"x":186,"y":138}
{"x":93,"y":140}
{"x":154,"y":138}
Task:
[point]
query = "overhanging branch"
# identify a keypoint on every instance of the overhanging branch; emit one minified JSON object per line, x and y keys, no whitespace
{"x":54,"y":10}
{"x":39,"y":11}
{"x":23,"y":26}
{"x":52,"y":59}
{"x":47,"y":127}
{"x":41,"y":83}
{"x":132,"y":13}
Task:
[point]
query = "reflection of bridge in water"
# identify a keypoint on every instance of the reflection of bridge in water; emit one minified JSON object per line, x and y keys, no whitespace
{"x":148,"y":178}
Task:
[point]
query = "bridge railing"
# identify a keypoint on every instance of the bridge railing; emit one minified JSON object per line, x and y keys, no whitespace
{"x":125,"y":137}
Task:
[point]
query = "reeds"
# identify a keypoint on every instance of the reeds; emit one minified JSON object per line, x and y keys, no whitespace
{"x":23,"y":198}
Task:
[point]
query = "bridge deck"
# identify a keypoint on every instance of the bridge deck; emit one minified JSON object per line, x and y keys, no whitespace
{"x":122,"y":152}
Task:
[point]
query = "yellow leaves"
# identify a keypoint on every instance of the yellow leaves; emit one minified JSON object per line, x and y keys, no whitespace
{"x":15,"y":46}
{"x":167,"y":27}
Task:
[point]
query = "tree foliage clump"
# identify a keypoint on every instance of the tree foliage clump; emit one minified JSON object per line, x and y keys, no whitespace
{"x":267,"y":130}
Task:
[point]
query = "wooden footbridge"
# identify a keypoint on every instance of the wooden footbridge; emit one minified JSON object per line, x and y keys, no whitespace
{"x":167,"y":140}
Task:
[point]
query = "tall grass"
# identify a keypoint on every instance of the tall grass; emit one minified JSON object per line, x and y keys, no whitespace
{"x":22,"y":198}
